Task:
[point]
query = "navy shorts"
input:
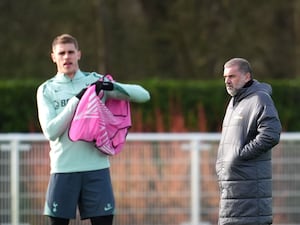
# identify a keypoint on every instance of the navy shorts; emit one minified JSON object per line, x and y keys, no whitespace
{"x":90,"y":191}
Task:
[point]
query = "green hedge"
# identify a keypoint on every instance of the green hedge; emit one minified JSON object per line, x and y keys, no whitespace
{"x":18,"y":106}
{"x":175,"y":106}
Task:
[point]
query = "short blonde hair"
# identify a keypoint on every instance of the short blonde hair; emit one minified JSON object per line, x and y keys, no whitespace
{"x":64,"y":39}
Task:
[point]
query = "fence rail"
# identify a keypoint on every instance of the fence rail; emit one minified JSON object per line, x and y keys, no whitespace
{"x":159,"y":179}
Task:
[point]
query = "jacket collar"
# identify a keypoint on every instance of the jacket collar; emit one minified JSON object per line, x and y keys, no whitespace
{"x":250,"y":88}
{"x":61,"y":77}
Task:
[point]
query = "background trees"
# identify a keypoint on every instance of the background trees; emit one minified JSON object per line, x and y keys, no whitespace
{"x":150,"y":41}
{"x":140,"y":39}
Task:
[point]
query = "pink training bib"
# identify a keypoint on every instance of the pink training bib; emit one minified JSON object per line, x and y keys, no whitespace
{"x":104,"y":124}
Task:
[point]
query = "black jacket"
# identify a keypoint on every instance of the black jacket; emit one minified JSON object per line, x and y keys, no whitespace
{"x":251,"y":127}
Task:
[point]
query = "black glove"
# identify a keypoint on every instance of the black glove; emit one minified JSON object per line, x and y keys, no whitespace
{"x":100,"y":85}
{"x":80,"y":94}
{"x":103,"y":85}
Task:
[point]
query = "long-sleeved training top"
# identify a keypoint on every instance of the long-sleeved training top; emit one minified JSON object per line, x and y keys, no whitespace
{"x":57,"y":102}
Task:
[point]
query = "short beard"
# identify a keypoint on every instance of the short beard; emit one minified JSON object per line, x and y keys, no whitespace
{"x":231,"y":91}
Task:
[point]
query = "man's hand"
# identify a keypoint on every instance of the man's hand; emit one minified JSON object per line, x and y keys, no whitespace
{"x":80,"y":94}
{"x":103,"y":85}
{"x":100,"y":85}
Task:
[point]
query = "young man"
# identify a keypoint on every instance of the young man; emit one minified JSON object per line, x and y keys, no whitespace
{"x":251,"y":128}
{"x":80,"y":175}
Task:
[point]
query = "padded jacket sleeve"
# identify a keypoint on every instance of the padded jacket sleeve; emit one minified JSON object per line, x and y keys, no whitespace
{"x":268,"y":130}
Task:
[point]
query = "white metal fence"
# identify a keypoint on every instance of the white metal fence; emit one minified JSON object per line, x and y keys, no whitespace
{"x":159,"y":179}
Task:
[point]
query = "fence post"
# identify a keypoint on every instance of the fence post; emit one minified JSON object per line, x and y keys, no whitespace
{"x":196,"y":147}
{"x":195,"y":185}
{"x":15,"y":179}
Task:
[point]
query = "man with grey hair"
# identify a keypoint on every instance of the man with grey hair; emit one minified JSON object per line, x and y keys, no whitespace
{"x":251,"y":128}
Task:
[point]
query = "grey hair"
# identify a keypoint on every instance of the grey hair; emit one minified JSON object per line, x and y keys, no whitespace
{"x":243,"y":65}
